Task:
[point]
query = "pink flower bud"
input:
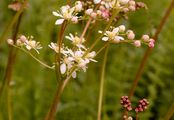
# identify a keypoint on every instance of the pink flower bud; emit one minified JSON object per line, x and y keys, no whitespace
{"x":23,"y":38}
{"x":132,"y":3}
{"x":151,"y":44}
{"x":78,"y":7}
{"x":137,"y":43}
{"x":145,"y":38}
{"x":89,"y":11}
{"x":74,"y":19}
{"x":132,"y":8}
{"x":122,"y":28}
{"x":93,"y":15}
{"x":130,"y":35}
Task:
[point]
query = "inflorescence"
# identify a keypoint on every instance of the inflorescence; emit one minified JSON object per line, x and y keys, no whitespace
{"x":77,"y":56}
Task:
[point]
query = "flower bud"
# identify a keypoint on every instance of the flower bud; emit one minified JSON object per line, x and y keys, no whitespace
{"x":130,"y":35}
{"x":93,"y":15}
{"x":23,"y":38}
{"x":10,"y":41}
{"x":122,"y":28}
{"x":145,"y":38}
{"x":137,"y":43}
{"x":89,"y":11}
{"x":132,"y":8}
{"x":123,"y":2}
{"x":74,"y":19}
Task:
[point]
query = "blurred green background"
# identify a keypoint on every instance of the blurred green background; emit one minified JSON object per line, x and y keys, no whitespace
{"x":34,"y":86}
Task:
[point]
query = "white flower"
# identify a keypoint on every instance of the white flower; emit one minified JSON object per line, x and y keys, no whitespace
{"x":65,"y":13}
{"x":32,"y":44}
{"x":76,"y":40}
{"x":29,"y":43}
{"x":112,"y":35}
{"x":55,"y":47}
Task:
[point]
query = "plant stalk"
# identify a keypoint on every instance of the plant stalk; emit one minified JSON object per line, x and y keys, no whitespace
{"x":102,"y":84}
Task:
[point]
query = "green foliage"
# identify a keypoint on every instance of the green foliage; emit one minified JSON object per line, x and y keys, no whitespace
{"x":34,"y":86}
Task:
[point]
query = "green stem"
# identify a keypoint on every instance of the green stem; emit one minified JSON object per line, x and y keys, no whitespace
{"x":170,"y":112}
{"x":102,"y":48}
{"x":39,"y":61}
{"x":13,"y":21}
{"x":102,"y":84}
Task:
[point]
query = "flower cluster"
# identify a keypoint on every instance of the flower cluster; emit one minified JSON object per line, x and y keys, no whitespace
{"x":121,"y":35}
{"x":142,"y":105}
{"x":102,"y":11}
{"x":68,"y":13}
{"x":124,"y":6}
{"x":77,"y":57}
{"x":125,"y":102}
{"x":28,"y":42}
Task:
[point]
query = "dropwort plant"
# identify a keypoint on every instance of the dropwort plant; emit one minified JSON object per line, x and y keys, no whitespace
{"x":73,"y":58}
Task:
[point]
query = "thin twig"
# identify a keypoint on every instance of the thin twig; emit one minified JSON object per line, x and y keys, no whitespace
{"x":85,"y":29}
{"x":102,"y":84}
{"x":148,"y":51}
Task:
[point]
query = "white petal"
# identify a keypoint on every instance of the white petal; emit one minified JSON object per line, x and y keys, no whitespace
{"x":63,"y":68}
{"x":119,"y":38}
{"x":28,"y":47}
{"x":100,"y":31}
{"x":97,"y":1}
{"x":59,"y":21}
{"x":67,"y":37}
{"x":74,"y":75}
{"x":116,"y":30}
{"x":105,"y":38}
{"x":57,"y":14}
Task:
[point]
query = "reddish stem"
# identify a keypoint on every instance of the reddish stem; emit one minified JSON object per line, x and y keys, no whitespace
{"x":148,"y":51}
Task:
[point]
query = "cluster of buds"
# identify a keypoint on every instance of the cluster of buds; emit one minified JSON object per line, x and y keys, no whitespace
{"x":28,"y":42}
{"x":143,"y":104}
{"x":77,"y":57}
{"x":125,"y":6}
{"x":68,"y":13}
{"x":121,"y":35}
{"x":126,"y":103}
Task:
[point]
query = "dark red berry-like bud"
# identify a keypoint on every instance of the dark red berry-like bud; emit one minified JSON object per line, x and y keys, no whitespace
{"x":125,"y":102}
{"x":142,"y":105}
